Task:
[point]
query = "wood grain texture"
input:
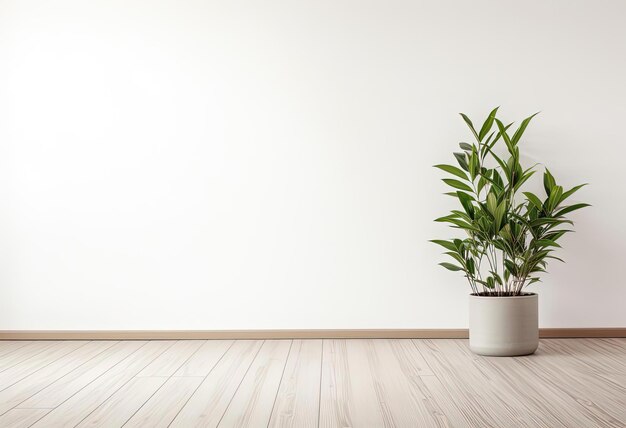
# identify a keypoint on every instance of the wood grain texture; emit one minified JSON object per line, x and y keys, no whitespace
{"x":309,"y":383}
{"x":252,"y":404}
{"x":164,"y":405}
{"x":20,"y":391}
{"x":348,"y":388}
{"x":203,"y":361}
{"x":599,"y":401}
{"x":73,"y":410}
{"x":36,"y":362}
{"x":15,"y":356}
{"x":525,"y":374}
{"x":124,"y":403}
{"x":8,"y":346}
{"x":481,"y":399}
{"x":297,"y":401}
{"x":171,"y":360}
{"x":82,"y":375}
{"x":21,"y":418}
{"x":207,"y":406}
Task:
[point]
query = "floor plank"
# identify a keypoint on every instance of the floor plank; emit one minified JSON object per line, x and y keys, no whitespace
{"x":35,"y":382}
{"x":172,"y":359}
{"x":598,"y":355}
{"x":206,"y":407}
{"x":72,"y":411}
{"x":311,"y":383}
{"x":584,"y":392}
{"x":399,"y":367}
{"x":446,"y":404}
{"x":348,"y":391}
{"x":297,"y":402}
{"x":252,"y":404}
{"x":59,"y":391}
{"x":531,"y":394}
{"x":164,"y":405}
{"x":9,"y":346}
{"x":124,"y":403}
{"x":203,"y":361}
{"x":23,"y":353}
{"x":36,"y":362}
{"x":479,"y":400}
{"x":21,"y":418}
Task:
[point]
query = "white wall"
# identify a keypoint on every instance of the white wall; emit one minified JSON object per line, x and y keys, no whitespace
{"x":243,"y":164}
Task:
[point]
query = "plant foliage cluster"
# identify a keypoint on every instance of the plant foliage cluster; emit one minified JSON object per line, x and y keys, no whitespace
{"x":510,"y":234}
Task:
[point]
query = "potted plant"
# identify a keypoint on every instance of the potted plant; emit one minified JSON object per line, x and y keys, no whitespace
{"x":510,"y":235}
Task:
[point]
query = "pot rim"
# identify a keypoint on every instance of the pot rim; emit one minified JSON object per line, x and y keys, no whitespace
{"x":523,"y":296}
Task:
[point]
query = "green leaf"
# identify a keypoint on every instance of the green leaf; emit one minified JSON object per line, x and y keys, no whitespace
{"x":490,"y":282}
{"x":487,"y":141}
{"x":482,"y":182}
{"x":547,"y":220}
{"x":473,"y":165}
{"x":546,"y":243}
{"x":461,"y":159}
{"x":466,"y":201}
{"x":458,"y":244}
{"x":469,"y":263}
{"x":465,"y":146}
{"x":451,"y":266}
{"x":457,"y":184}
{"x":452,"y":170}
{"x":456,"y":257}
{"x":499,"y":215}
{"x":487,"y":124}
{"x":523,"y":179}
{"x":470,"y":125}
{"x":570,"y":208}
{"x":571,"y":191}
{"x":554,"y":198}
{"x":505,"y":136}
{"x":511,"y":267}
{"x":518,"y":134}
{"x":488,"y":147}
{"x":492,"y":203}
{"x":534,"y":199}
{"x":496,"y":276}
{"x":448,"y":245}
{"x":548,"y":182}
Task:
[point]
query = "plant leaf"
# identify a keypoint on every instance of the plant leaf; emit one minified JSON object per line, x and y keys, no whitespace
{"x":445,"y":244}
{"x":457,"y":184}
{"x":452,"y":170}
{"x":470,"y":125}
{"x":466,"y":201}
{"x":518,"y":134}
{"x":487,"y":124}
{"x":451,"y":266}
{"x":548,"y":182}
{"x":534,"y":199}
{"x":505,"y":136}
{"x":460,"y":158}
{"x":571,"y":191}
{"x":570,"y":208}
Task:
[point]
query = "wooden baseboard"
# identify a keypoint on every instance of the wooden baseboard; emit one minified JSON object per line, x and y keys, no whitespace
{"x":286,"y":334}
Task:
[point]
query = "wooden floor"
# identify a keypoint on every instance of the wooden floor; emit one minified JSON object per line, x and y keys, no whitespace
{"x":310,"y":383}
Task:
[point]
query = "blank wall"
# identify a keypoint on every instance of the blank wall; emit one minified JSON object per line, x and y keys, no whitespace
{"x":243,"y":164}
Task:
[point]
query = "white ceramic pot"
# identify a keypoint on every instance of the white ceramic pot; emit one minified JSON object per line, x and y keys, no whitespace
{"x":503,"y":326}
